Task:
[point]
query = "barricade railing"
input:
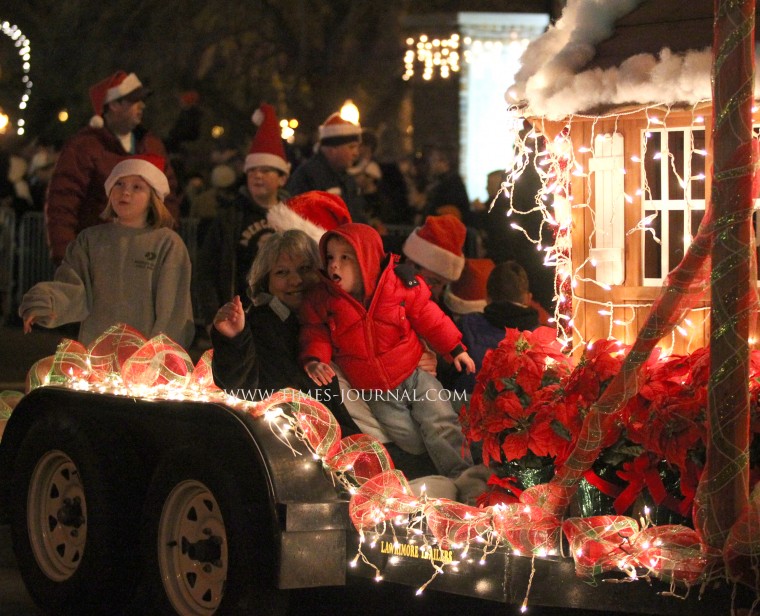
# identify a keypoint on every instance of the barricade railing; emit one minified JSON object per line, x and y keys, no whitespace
{"x":30,"y":247}
{"x":7,"y":258}
{"x":34,"y":263}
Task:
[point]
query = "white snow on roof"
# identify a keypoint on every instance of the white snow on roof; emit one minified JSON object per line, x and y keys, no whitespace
{"x":550,"y":84}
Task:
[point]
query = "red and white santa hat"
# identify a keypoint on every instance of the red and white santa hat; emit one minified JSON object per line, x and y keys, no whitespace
{"x":314,"y":212}
{"x":336,"y":131}
{"x":149,"y":167}
{"x":469,"y":293}
{"x":112,"y":88}
{"x":438,"y":246}
{"x":266,"y":148}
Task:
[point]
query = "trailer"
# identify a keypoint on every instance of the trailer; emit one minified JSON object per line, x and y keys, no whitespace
{"x":125,"y":505}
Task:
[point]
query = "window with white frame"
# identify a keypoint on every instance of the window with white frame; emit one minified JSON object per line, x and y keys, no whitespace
{"x":673,"y":198}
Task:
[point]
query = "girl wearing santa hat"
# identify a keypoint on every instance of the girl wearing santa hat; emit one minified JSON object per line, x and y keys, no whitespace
{"x":134,"y":270}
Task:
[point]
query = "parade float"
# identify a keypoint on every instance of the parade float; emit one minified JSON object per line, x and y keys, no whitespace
{"x":622,"y":448}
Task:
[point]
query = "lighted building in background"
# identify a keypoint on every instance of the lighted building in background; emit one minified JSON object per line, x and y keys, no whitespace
{"x":460,"y":67}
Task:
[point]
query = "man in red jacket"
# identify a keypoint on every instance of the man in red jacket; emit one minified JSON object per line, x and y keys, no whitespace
{"x":75,"y":197}
{"x":365,"y":315}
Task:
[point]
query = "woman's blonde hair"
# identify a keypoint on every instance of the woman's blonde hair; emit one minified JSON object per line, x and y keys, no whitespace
{"x":158,"y":214}
{"x":292,"y":242}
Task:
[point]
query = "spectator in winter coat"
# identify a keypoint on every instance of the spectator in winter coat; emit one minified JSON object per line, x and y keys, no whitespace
{"x":366,"y":315}
{"x":133,"y":269}
{"x":446,"y":187}
{"x":327,"y":170}
{"x":75,"y":197}
{"x":508,"y":307}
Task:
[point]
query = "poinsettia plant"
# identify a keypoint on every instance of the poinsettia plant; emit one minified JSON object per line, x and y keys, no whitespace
{"x":530,"y":400}
{"x":512,"y":411}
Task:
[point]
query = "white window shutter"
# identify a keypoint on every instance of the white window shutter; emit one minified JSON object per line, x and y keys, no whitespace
{"x":609,"y":201}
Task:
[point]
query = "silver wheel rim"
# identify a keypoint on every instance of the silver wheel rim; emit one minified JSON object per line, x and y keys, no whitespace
{"x":192,"y":549}
{"x":56,"y":516}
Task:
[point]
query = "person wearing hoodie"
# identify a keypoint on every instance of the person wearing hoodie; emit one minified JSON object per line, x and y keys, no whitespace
{"x":365,"y":314}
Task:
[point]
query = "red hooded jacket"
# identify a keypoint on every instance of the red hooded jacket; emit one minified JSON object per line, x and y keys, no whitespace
{"x":376,"y":346}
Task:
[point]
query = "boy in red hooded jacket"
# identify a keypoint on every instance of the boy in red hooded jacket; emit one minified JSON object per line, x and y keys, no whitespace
{"x":365,"y":315}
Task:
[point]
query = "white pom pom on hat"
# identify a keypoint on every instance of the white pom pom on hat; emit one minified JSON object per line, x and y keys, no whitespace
{"x":258,"y":117}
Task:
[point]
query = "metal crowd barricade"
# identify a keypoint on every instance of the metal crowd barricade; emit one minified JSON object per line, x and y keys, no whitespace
{"x":7,"y":256}
{"x":34,"y":263}
{"x":188,"y":231}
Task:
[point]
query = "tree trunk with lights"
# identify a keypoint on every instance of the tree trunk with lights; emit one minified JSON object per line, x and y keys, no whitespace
{"x":724,"y":488}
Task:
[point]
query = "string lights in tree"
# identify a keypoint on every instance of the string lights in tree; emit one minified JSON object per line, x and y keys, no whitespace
{"x":24,"y":46}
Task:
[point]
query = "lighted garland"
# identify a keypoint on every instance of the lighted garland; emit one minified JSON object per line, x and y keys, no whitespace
{"x":381,"y":501}
{"x":25,"y":51}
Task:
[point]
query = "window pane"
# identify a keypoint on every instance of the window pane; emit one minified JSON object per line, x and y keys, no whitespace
{"x":652,"y":167}
{"x":652,"y":250}
{"x":675,"y":237}
{"x":675,"y":164}
{"x":698,"y":166}
{"x":696,"y":219}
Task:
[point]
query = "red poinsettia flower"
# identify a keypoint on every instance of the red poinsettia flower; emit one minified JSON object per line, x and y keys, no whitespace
{"x":673,"y":428}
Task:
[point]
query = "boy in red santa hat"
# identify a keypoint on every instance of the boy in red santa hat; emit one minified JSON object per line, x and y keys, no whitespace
{"x":233,"y":238}
{"x":436,"y":249}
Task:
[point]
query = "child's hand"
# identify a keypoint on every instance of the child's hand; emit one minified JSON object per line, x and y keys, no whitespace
{"x":230,"y":318}
{"x":463,"y":360}
{"x":28,"y":322}
{"x":429,"y":362}
{"x":320,"y":372}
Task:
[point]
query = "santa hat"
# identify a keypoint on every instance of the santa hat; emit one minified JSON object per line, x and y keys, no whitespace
{"x":438,"y":246}
{"x":266,"y":148}
{"x":112,"y":88}
{"x":150,"y":167}
{"x":314,"y":212}
{"x":468,"y":293}
{"x":337,"y":131}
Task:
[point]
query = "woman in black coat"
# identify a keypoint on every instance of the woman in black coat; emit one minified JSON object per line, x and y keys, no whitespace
{"x":257,"y":354}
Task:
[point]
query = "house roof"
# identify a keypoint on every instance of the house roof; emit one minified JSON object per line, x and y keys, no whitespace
{"x":605,"y":54}
{"x":656,"y":24}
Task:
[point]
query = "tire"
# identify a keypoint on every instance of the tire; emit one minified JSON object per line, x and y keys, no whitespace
{"x":208,"y":547}
{"x":70,"y":521}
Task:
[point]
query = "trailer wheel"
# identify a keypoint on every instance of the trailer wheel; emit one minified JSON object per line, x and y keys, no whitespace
{"x":205,"y":551}
{"x":66,"y":520}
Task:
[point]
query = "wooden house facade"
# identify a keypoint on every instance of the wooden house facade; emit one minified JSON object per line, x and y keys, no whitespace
{"x":640,"y":184}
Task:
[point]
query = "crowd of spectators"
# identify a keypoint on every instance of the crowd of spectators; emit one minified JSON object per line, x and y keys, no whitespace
{"x":470,"y":275}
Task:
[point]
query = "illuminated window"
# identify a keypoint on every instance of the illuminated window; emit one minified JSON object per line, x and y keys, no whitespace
{"x":673,"y":170}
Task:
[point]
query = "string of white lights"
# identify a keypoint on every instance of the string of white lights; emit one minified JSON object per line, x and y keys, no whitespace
{"x":25,"y":51}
